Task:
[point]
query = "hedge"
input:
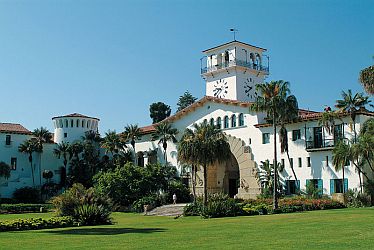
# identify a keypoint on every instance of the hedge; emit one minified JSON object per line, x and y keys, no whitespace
{"x":25,"y":208}
{"x":37,"y":223}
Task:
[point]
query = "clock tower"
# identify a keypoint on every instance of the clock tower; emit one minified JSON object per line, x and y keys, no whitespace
{"x":233,"y":69}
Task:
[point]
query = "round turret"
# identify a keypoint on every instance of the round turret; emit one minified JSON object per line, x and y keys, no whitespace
{"x":69,"y":128}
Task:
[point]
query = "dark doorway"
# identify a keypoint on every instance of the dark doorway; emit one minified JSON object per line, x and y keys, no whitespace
{"x":317,"y":134}
{"x":233,"y":187}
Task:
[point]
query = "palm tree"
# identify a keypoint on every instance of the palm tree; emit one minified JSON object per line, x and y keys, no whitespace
{"x":42,"y":135}
{"x":131,"y":134}
{"x":75,"y":149}
{"x":288,"y":111}
{"x":327,"y":120}
{"x":165,"y":133}
{"x":203,"y":145}
{"x":271,"y":100}
{"x":112,"y":142}
{"x":341,"y":155}
{"x":63,"y":150}
{"x":351,"y":104}
{"x":91,"y":136}
{"x":29,"y":147}
{"x":266,"y":173}
{"x":4,"y":171}
{"x":367,"y":79}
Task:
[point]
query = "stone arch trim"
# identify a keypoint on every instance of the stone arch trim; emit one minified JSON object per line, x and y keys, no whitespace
{"x":249,"y":187}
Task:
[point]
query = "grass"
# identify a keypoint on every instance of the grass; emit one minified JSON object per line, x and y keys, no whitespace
{"x":330,"y":229}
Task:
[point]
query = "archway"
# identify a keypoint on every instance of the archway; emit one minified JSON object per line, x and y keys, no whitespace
{"x":231,"y":178}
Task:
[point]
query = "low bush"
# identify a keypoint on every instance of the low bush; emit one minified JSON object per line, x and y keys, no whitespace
{"x":25,"y":208}
{"x":180,"y":190}
{"x":152,"y":201}
{"x":27,"y":195}
{"x":37,"y":223}
{"x":193,"y":209}
{"x":85,"y":205}
{"x":357,"y":199}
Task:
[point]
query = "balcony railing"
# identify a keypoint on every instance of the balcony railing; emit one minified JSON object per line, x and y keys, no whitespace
{"x":322,"y":144}
{"x":235,"y":63}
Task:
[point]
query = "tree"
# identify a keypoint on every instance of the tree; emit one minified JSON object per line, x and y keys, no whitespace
{"x":185,"y":100}
{"x":42,"y":135}
{"x":112,"y":143}
{"x":271,"y":99}
{"x":367,"y":79}
{"x":62,"y":149}
{"x":4,"y":171}
{"x":29,"y":147}
{"x":351,"y":104}
{"x":131,"y":134}
{"x":265,"y":176}
{"x":159,"y":111}
{"x":341,"y":155}
{"x":165,"y":133}
{"x":203,"y":145}
{"x":327,"y":120}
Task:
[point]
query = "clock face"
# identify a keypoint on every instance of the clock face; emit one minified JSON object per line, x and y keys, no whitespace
{"x":220,"y":88}
{"x":249,"y":89}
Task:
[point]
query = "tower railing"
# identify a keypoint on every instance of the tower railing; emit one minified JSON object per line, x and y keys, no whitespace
{"x":235,"y":62}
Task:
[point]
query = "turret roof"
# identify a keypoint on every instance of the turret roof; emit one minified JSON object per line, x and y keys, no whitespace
{"x":76,"y":115}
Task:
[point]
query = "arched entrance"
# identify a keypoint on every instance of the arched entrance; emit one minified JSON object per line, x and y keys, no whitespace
{"x":231,"y":179}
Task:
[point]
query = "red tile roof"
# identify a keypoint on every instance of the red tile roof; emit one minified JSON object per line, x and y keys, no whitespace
{"x":76,"y":115}
{"x":13,"y":128}
{"x":233,"y":42}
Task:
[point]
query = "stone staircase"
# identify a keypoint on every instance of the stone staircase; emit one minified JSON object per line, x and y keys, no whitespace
{"x":168,"y":210}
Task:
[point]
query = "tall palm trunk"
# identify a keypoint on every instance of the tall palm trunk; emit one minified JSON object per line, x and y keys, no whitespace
{"x":343,"y":180}
{"x":205,"y":186}
{"x":194,"y":183}
{"x":359,"y":176}
{"x":165,"y":145}
{"x":275,"y":185}
{"x":40,"y":170}
{"x":293,"y":170}
{"x":32,"y":170}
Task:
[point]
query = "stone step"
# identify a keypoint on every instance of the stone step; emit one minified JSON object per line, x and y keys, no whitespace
{"x":168,"y":210}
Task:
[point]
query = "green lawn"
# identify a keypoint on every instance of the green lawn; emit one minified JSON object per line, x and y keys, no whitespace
{"x":331,"y":229}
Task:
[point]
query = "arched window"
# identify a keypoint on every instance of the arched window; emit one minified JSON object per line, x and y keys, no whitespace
{"x":241,"y":119}
{"x":227,"y":58}
{"x":219,"y":122}
{"x":83,"y":123}
{"x":226,"y":122}
{"x":61,"y":125}
{"x":258,"y":61}
{"x":233,"y":121}
{"x":211,"y":121}
{"x":77,"y":123}
{"x":88,"y":124}
{"x":66,"y":123}
{"x":71,"y":123}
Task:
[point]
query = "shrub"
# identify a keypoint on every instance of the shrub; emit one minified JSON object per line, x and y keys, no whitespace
{"x":25,"y":208}
{"x":38,"y":223}
{"x":356,"y":199}
{"x":85,"y":205}
{"x":153,"y":200}
{"x":193,"y":209}
{"x":26,"y":195}
{"x":180,"y":190}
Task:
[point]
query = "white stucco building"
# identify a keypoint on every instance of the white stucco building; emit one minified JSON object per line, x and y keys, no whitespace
{"x":231,"y":72}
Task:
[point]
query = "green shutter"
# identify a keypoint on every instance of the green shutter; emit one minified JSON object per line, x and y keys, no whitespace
{"x":287,"y":187}
{"x":345,"y":185}
{"x":320,"y":186}
{"x":307,"y":183}
{"x":298,"y":186}
{"x":332,"y":186}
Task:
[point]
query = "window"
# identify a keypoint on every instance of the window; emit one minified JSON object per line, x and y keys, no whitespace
{"x":291,"y":162}
{"x":61,"y":125}
{"x":300,"y":162}
{"x":265,"y":138}
{"x":336,"y":185}
{"x":309,"y":163}
{"x":77,"y":123}
{"x":338,"y":133}
{"x":233,"y":121}
{"x":316,"y":183}
{"x":292,"y":187}
{"x":241,"y":119}
{"x":327,"y":160}
{"x":219,"y":122}
{"x":8,"y":139}
{"x":83,"y":123}
{"x":66,"y":123}
{"x":71,"y":123}
{"x":65,"y":135}
{"x":296,"y":135}
{"x":13,"y":163}
{"x":88,"y":123}
{"x":226,"y":122}
{"x":211,"y":121}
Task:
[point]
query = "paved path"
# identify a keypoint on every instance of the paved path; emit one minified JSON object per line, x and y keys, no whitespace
{"x":168,"y":210}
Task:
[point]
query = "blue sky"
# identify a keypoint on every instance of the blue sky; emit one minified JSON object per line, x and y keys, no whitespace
{"x":112,"y":59}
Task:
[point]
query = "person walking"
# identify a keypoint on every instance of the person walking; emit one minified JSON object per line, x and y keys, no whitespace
{"x":174,"y":198}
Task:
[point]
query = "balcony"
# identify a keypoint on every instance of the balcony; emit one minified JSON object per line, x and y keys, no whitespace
{"x":233,"y":63}
{"x":321,"y":144}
